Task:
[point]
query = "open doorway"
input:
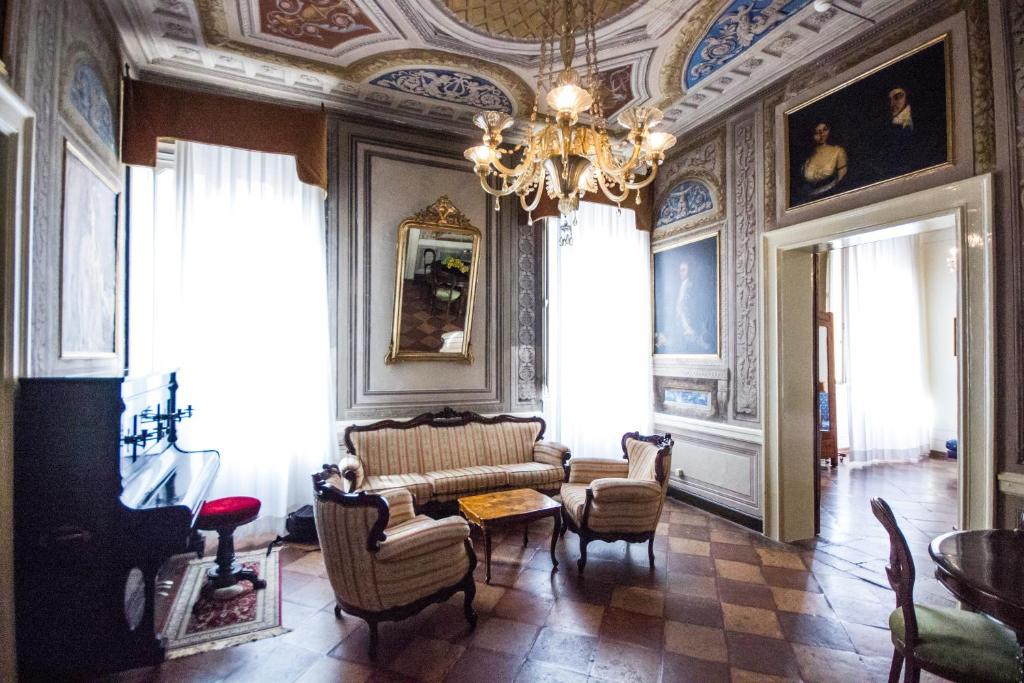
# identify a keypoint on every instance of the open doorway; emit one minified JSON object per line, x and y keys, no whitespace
{"x":887,"y":386}
{"x":790,"y":399}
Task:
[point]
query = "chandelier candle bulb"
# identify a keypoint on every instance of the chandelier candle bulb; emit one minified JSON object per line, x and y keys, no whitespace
{"x":569,"y":99}
{"x":480,"y":155}
{"x":657,"y":142}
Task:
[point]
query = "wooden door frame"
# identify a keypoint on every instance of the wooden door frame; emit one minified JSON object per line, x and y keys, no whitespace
{"x":17,"y":130}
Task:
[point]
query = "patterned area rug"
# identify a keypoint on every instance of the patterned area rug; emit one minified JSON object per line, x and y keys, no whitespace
{"x":217,"y":624}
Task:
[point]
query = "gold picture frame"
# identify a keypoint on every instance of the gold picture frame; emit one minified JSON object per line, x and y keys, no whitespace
{"x":443,"y":224}
{"x":884,"y":76}
{"x":661,"y":289}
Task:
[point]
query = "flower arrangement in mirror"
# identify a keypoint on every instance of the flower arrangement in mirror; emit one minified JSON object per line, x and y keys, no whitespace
{"x":457,"y":264}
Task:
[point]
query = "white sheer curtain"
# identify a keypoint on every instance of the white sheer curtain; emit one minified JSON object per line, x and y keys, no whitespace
{"x":889,"y":401}
{"x":253,"y":327}
{"x":599,"y":332}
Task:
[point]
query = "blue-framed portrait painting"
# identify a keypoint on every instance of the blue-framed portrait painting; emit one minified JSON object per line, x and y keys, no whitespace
{"x":686,"y":298}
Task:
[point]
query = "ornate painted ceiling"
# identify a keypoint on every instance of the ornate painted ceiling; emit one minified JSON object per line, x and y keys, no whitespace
{"x":434,"y":63}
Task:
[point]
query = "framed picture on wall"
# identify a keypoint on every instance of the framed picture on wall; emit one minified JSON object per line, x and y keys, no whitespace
{"x":88,"y":275}
{"x":892,"y":122}
{"x":687,"y":307}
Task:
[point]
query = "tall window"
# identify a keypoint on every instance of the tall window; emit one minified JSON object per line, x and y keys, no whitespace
{"x":599,"y":332}
{"x":228,"y":284}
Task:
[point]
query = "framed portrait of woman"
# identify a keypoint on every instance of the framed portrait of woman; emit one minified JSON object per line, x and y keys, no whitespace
{"x":891,"y":122}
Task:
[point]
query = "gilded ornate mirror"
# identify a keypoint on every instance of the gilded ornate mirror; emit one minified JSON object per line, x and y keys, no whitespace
{"x":435,"y":284}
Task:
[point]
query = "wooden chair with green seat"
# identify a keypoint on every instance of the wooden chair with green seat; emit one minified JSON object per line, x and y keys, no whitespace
{"x":446,"y":290}
{"x":948,"y":642}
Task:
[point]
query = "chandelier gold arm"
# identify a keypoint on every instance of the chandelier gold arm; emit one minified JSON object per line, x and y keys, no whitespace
{"x":532,"y":206}
{"x":606,"y":162}
{"x":646,"y":181}
{"x":521,"y":168}
{"x":518,"y":184}
{"x":617,"y":198}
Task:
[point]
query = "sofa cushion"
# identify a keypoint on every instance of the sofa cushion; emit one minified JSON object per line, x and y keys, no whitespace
{"x":467,"y":479}
{"x":533,"y":474}
{"x":504,"y":443}
{"x":416,"y":484}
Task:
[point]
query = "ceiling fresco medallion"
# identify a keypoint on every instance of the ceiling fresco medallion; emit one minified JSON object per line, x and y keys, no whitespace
{"x":448,"y":86}
{"x":323,"y":23}
{"x":741,"y":24}
{"x":520,"y":19}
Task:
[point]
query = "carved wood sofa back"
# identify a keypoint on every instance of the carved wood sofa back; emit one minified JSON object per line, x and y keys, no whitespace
{"x":443,"y":440}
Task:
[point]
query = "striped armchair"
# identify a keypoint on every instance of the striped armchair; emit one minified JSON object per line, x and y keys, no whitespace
{"x":618,"y":500}
{"x":439,"y":457}
{"x":384,"y":562}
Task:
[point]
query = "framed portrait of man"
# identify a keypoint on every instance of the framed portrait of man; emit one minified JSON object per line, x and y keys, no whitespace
{"x":891,"y":122}
{"x":686,"y":298}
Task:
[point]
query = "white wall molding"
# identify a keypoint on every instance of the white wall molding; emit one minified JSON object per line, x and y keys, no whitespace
{"x":664,"y":421}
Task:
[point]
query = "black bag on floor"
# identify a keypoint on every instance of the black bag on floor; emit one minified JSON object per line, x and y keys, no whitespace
{"x":301,"y":528}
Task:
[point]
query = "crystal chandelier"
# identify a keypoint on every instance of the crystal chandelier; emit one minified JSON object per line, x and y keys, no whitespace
{"x":560,"y":154}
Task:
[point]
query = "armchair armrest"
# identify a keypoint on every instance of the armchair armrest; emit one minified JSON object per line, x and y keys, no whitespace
{"x":351,"y":469}
{"x":585,"y":470}
{"x":400,"y":507}
{"x":423,"y":538}
{"x":625,"y":490}
{"x":552,"y":453}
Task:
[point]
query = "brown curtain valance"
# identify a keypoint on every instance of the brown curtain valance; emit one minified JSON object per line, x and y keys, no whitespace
{"x":644,"y":213}
{"x":154,"y":111}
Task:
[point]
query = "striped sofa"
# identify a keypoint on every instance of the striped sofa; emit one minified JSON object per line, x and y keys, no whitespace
{"x":442,"y":456}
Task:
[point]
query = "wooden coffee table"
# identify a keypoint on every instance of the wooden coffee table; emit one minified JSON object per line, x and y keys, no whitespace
{"x":490,"y":510}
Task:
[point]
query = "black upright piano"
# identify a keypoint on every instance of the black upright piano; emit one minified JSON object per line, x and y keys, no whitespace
{"x":103,"y":498}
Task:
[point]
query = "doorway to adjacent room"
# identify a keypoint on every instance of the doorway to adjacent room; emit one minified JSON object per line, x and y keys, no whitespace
{"x":791,"y":467}
{"x":887,"y":388}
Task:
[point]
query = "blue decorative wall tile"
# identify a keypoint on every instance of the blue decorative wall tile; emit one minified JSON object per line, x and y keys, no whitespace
{"x":89,"y":98}
{"x":741,"y":24}
{"x":686,"y":397}
{"x":688,"y":198}
{"x":447,"y":86}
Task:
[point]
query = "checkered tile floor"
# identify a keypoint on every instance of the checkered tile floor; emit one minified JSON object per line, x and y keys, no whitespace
{"x":421,"y":328}
{"x":723,"y":604}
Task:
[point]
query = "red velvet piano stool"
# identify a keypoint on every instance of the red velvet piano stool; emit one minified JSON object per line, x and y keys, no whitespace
{"x":224,"y":515}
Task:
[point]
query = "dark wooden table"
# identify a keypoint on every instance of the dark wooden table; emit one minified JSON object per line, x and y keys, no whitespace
{"x":985,"y":569}
{"x":490,"y":510}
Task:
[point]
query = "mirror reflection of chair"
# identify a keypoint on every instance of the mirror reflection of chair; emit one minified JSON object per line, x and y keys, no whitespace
{"x":426,"y":275}
{"x":948,"y":642}
{"x":446,"y":290}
